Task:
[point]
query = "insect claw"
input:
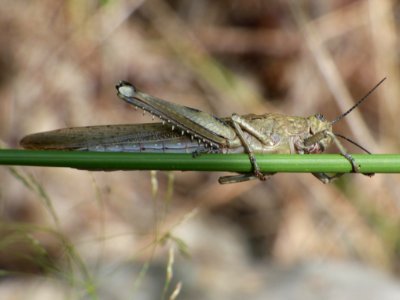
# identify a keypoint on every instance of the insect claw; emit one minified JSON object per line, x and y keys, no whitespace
{"x":368,"y":174}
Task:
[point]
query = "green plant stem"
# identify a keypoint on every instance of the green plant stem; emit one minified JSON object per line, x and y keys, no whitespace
{"x":330,"y":163}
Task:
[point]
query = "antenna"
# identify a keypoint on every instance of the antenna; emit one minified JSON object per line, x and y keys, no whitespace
{"x":352,"y":142}
{"x":358,"y":102}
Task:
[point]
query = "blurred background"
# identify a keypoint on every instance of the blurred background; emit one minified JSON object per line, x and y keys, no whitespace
{"x":70,"y":234}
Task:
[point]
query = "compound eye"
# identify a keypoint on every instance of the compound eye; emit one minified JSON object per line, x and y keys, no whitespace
{"x":320,"y":117}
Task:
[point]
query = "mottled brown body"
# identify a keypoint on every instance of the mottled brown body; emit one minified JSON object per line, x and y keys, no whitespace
{"x":189,"y":130}
{"x":285,"y":135}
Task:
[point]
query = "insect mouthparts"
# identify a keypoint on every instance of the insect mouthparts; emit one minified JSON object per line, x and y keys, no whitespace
{"x":125,"y":88}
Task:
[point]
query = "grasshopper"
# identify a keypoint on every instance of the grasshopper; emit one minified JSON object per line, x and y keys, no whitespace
{"x":188,"y":130}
